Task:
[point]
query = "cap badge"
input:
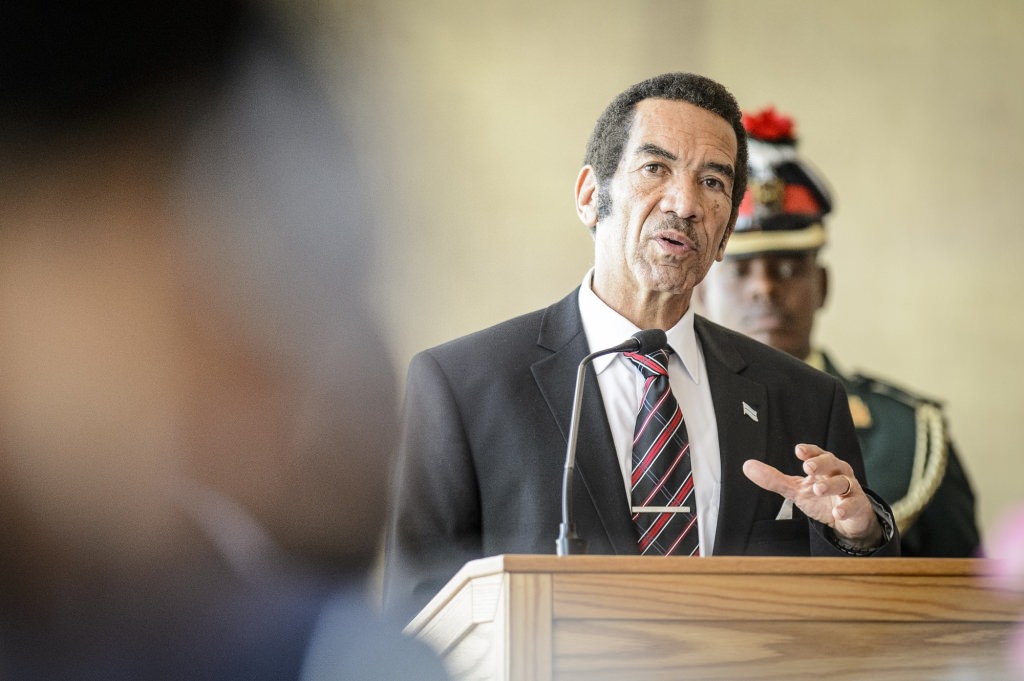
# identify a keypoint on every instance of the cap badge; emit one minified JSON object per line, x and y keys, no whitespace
{"x":769,"y":193}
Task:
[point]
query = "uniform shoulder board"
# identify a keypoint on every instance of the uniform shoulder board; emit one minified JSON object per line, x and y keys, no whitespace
{"x":881,"y":387}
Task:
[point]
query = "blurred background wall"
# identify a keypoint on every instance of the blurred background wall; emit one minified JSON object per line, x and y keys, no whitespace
{"x":912,"y":109}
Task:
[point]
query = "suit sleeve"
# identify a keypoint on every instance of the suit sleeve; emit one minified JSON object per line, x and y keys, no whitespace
{"x":434,"y":523}
{"x":842,"y":442}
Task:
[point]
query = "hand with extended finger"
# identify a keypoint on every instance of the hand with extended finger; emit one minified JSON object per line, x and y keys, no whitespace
{"x":828,"y":492}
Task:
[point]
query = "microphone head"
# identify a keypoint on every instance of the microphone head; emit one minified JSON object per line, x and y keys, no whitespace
{"x":649,"y":340}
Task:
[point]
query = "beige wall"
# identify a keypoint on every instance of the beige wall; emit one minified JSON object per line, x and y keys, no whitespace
{"x":912,"y":109}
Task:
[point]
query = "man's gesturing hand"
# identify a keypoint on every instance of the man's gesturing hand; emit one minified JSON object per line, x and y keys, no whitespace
{"x":828,"y":493}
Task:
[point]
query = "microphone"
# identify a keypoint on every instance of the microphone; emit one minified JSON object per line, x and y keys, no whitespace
{"x":643,"y":342}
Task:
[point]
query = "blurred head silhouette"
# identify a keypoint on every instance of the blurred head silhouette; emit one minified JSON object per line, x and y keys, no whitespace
{"x":195,"y":404}
{"x":187,"y":344}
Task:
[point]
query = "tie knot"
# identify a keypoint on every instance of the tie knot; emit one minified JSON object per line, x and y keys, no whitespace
{"x":651,"y":364}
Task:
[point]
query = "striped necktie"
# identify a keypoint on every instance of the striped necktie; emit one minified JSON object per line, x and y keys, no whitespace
{"x":664,"y":506}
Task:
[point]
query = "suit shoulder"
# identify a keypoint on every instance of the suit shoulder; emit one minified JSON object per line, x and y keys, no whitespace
{"x":557,"y":323}
{"x":497,"y":340}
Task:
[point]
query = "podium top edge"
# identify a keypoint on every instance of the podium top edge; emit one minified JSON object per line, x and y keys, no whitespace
{"x":746,"y":565}
{"x":484,"y":570}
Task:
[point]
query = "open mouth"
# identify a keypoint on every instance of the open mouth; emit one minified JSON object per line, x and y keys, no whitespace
{"x":676,"y":242}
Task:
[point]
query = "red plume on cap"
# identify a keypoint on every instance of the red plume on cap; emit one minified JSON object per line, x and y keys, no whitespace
{"x":769,"y":126}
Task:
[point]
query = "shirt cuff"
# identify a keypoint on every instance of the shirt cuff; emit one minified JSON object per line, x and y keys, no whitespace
{"x":884,"y":516}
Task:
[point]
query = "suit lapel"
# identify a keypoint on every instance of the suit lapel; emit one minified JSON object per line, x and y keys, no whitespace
{"x":598,"y":479}
{"x":741,"y":411}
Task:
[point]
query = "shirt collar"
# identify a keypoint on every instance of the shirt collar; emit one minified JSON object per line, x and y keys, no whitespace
{"x":605,"y":328}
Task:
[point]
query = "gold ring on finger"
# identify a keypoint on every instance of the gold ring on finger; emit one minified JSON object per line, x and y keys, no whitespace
{"x":849,"y":487}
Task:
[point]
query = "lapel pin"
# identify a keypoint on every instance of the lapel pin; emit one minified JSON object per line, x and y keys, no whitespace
{"x":750,"y":412}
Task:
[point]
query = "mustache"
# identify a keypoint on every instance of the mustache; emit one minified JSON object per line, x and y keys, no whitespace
{"x":678,"y":224}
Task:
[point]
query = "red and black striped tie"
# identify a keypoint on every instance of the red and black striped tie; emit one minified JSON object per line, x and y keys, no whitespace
{"x":663,"y":503}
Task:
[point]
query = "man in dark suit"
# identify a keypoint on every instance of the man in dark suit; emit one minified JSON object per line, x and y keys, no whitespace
{"x":775,"y":460}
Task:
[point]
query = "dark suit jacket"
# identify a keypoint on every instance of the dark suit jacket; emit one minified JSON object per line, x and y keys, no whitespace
{"x":483,"y":444}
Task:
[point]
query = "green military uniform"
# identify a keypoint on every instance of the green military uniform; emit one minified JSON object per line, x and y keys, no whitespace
{"x":912,"y":464}
{"x":909,"y":458}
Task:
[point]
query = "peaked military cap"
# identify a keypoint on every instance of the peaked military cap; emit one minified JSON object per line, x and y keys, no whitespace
{"x":786,"y":198}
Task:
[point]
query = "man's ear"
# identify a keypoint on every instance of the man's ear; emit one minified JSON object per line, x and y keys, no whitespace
{"x":822,"y":275}
{"x":586,"y":196}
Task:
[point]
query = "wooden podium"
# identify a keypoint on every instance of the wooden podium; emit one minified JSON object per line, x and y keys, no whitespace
{"x":592,"y":618}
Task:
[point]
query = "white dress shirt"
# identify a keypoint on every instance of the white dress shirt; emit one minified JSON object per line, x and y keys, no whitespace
{"x":622,"y":385}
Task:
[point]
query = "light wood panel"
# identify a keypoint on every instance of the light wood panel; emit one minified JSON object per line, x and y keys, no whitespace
{"x":541,"y":618}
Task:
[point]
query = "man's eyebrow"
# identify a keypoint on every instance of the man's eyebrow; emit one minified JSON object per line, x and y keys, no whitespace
{"x":723,"y":168}
{"x":654,"y":150}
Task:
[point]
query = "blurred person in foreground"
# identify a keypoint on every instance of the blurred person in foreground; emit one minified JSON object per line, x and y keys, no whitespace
{"x":723,"y":447}
{"x":191,"y":476}
{"x":771,"y":286}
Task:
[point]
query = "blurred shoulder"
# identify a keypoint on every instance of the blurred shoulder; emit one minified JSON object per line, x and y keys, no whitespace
{"x":878,"y":387}
{"x":873,"y":397}
{"x":742,"y":353}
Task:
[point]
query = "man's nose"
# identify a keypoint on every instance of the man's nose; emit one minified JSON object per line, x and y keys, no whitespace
{"x":760,"y":281}
{"x":683,"y":198}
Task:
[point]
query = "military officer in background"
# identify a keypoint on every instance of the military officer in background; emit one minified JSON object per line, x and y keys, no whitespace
{"x":771,"y":285}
